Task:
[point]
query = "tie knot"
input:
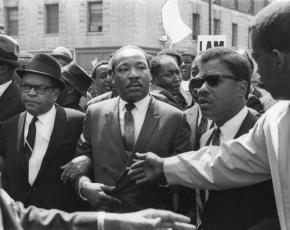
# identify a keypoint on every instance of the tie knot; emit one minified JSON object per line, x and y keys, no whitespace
{"x":129,"y":106}
{"x":34,"y":119}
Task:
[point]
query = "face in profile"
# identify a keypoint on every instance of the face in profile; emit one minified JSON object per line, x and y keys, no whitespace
{"x":131,"y":74}
{"x":38,"y":93}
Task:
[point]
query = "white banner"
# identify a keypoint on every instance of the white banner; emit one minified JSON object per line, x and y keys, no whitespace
{"x":173,"y":25}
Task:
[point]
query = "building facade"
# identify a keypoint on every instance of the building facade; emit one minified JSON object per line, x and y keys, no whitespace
{"x":96,"y":28}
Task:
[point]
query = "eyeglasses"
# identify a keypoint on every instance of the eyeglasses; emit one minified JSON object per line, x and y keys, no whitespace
{"x":211,"y":79}
{"x":39,"y":89}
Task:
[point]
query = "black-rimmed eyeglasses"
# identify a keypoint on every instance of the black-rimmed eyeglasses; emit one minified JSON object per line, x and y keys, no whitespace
{"x":211,"y":79}
{"x":39,"y":89}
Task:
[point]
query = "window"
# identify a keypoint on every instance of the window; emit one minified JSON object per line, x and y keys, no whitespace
{"x":252,"y":7}
{"x":266,"y":2}
{"x":195,"y":26}
{"x":236,"y":4}
{"x":216,"y":26}
{"x":234,"y":34}
{"x":12,"y":20}
{"x":95,"y":16}
{"x":52,"y":18}
{"x":249,"y":37}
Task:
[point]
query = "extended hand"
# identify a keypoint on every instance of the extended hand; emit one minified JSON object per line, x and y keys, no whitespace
{"x":77,"y":166}
{"x":147,"y":167}
{"x":96,"y":195}
{"x":149,"y":219}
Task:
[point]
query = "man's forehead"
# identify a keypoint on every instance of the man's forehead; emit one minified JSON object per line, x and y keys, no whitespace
{"x":213,"y":65}
{"x":130,"y":52}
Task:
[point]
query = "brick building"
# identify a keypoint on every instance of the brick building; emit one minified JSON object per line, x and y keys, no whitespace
{"x":91,"y":28}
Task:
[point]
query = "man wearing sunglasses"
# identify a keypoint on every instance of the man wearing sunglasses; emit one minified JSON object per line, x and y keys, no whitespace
{"x":222,"y":85}
{"x":38,"y":141}
{"x":263,"y":152}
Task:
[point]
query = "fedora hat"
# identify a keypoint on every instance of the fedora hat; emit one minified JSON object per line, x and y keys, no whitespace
{"x":9,"y":50}
{"x":44,"y":65}
{"x":77,"y":77}
{"x":63,"y":52}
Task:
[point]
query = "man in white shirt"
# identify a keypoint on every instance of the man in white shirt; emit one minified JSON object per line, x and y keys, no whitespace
{"x":10,"y":98}
{"x":113,"y":132}
{"x":261,"y":154}
{"x":41,"y":139}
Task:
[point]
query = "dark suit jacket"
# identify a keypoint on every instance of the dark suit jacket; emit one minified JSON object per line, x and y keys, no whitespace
{"x":48,"y":191}
{"x":164,"y":132}
{"x":239,"y":208}
{"x":17,"y":217}
{"x":10,"y":102}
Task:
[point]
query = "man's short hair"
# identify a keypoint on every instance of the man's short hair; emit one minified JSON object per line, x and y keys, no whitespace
{"x":173,"y":53}
{"x":112,"y":62}
{"x":272,"y":26}
{"x":236,"y":63}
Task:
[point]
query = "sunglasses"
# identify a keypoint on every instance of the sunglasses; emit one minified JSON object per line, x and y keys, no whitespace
{"x":211,"y":79}
{"x":39,"y":89}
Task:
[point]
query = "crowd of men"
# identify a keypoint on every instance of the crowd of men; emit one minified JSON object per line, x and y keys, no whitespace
{"x":196,"y":134}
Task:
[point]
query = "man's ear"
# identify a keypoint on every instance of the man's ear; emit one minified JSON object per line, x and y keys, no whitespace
{"x":280,"y":59}
{"x":243,"y":87}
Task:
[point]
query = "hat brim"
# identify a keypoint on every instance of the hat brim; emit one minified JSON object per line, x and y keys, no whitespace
{"x":22,"y":72}
{"x":13,"y":63}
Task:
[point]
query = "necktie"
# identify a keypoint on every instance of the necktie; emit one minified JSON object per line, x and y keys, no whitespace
{"x":30,"y":139}
{"x":129,"y":127}
{"x":203,"y":195}
{"x":216,"y":137}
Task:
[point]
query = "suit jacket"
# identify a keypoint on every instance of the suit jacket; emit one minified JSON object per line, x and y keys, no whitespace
{"x":192,"y":115}
{"x":10,"y":102}
{"x":239,"y":208}
{"x":48,"y":191}
{"x":164,"y":132}
{"x":17,"y":217}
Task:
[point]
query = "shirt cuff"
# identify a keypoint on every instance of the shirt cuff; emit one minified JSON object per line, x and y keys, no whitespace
{"x":101,"y":220}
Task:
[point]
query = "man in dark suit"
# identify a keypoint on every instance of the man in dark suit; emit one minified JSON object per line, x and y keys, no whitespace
{"x":112,"y":134}
{"x":14,"y":216}
{"x":223,"y":85}
{"x":10,"y":98}
{"x":38,"y":141}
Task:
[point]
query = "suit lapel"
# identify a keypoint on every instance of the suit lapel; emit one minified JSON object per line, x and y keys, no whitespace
{"x":246,"y":125}
{"x":151,"y":120}
{"x":205,"y":138}
{"x":20,"y":145}
{"x":113,"y":122}
{"x":58,"y":132}
{"x":4,"y":99}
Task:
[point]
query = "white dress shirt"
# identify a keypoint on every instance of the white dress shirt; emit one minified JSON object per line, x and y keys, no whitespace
{"x":44,"y":126}
{"x":185,"y":85}
{"x":261,"y":154}
{"x":230,"y":128}
{"x":138,"y":113}
{"x":4,"y":86}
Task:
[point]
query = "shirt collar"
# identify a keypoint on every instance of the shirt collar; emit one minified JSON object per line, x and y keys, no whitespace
{"x":140,"y":105}
{"x":235,"y":122}
{"x":43,"y":118}
{"x":4,"y":86}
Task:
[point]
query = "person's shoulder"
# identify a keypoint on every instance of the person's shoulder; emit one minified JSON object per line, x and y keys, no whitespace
{"x":103,"y":105}
{"x":73,"y":113}
{"x":99,"y":98}
{"x":166,"y":108}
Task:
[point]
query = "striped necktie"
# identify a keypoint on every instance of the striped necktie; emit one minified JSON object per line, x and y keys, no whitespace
{"x":30,"y":139}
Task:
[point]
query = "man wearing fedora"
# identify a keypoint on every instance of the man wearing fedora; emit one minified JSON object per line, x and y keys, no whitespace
{"x":10,"y":98}
{"x":77,"y":82}
{"x":40,"y":140}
